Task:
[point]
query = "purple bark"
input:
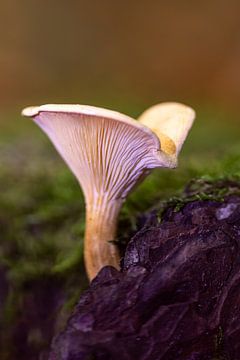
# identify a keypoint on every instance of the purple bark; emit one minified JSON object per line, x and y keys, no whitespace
{"x":176,"y":298}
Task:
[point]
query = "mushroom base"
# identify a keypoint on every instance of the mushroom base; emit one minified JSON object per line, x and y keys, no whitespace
{"x":101,"y":226}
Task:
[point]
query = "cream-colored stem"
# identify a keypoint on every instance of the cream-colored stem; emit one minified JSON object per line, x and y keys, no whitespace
{"x":101,"y":225}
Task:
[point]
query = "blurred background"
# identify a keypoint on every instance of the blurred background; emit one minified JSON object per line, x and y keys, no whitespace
{"x":123,"y":55}
{"x":131,"y":52}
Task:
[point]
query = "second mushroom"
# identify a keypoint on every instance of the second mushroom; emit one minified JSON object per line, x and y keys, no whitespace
{"x":109,"y":153}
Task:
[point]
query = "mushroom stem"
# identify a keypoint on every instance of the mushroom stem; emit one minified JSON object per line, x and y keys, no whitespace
{"x":101,"y":225}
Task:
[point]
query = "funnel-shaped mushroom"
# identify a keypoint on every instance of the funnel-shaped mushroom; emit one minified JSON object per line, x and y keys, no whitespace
{"x":109,"y":153}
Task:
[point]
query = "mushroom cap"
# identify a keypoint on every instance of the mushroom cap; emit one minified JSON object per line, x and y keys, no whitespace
{"x":107,"y":151}
{"x":33,"y":111}
{"x":171,"y":122}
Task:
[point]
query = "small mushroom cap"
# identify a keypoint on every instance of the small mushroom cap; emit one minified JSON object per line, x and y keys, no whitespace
{"x":107,"y":151}
{"x":171,"y":122}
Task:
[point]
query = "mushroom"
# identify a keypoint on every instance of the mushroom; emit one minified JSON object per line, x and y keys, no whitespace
{"x":109,"y":153}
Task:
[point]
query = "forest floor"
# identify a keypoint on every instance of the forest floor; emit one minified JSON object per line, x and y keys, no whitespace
{"x":42,"y":220}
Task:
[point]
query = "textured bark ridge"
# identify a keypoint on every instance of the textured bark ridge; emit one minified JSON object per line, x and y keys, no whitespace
{"x":176,"y":298}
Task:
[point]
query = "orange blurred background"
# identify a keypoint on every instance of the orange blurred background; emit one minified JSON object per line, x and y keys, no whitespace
{"x":107,"y":51}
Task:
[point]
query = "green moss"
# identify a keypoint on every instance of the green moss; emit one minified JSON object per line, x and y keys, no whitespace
{"x":202,"y":190}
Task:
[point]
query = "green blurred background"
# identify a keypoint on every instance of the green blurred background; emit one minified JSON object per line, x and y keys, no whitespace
{"x":119,"y":52}
{"x":123,"y":55}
